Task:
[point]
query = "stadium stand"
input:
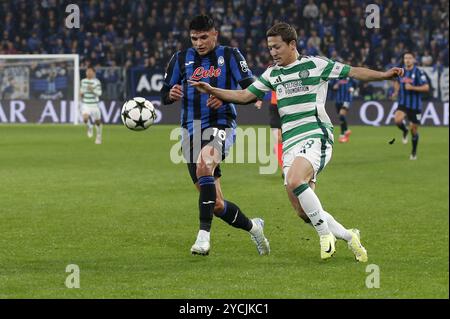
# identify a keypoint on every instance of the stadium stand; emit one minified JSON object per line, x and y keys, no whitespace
{"x":146,"y":33}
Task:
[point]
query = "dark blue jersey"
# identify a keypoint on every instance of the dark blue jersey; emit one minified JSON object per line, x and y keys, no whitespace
{"x":224,"y":67}
{"x":411,"y":99}
{"x":344,"y":92}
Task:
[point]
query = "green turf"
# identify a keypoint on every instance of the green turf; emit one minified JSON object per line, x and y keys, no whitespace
{"x":127,"y":216}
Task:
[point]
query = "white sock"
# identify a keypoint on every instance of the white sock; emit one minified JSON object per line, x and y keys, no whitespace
{"x":99,"y":129}
{"x":337,"y":229}
{"x":313,"y":208}
{"x":89,"y":125}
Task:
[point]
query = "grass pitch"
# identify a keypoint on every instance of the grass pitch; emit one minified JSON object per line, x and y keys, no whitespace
{"x":127,"y":216}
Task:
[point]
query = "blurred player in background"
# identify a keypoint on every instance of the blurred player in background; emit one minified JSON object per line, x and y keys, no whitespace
{"x":343,"y":96}
{"x":275,"y":126}
{"x":301,"y":86}
{"x":7,"y":88}
{"x":224,"y":67}
{"x":409,"y":89}
{"x":90,"y":91}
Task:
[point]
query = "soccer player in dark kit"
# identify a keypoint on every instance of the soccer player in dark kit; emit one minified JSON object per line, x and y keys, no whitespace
{"x":409,"y":89}
{"x":343,"y":96}
{"x":212,"y":120}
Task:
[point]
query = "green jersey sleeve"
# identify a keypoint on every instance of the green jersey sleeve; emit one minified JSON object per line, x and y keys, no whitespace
{"x":262,"y":85}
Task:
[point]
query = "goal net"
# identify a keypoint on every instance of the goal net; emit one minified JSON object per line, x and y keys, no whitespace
{"x":39,"y":88}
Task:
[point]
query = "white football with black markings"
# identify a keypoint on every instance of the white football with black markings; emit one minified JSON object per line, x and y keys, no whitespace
{"x":138,"y":114}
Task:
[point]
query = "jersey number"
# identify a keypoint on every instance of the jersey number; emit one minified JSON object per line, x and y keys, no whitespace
{"x":306,"y":146}
{"x":219,"y":133}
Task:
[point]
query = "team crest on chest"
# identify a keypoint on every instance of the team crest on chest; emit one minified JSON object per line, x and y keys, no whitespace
{"x":220,"y":61}
{"x":303,"y":74}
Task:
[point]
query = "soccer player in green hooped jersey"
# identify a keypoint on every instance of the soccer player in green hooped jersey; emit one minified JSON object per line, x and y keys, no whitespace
{"x":90,"y":91}
{"x":300,"y":83}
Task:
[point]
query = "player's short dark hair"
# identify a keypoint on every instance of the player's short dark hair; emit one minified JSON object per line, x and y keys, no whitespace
{"x":201,"y":23}
{"x":408,"y":52}
{"x":90,"y":67}
{"x":284,"y":30}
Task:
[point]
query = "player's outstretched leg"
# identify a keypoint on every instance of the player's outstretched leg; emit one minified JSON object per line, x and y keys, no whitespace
{"x":339,"y":231}
{"x":297,"y":179}
{"x":313,"y":209}
{"x":207,"y":200}
{"x":234,"y":216}
{"x":351,"y":236}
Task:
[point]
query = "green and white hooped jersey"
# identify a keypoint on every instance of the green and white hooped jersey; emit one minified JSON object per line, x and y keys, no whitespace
{"x":91,"y":98}
{"x":301,"y":90}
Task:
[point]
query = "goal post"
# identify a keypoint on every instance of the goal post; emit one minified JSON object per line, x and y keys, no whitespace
{"x":17,"y":68}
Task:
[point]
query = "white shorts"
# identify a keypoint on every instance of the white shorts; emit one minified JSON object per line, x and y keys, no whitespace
{"x":317,"y":151}
{"x":91,"y":110}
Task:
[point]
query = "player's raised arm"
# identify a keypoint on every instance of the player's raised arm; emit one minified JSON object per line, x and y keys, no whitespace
{"x":364,"y":74}
{"x":233,"y":96}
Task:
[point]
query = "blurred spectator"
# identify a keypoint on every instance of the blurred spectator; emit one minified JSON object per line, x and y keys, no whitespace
{"x":311,"y":10}
{"x":239,"y":32}
{"x":427,"y":59}
{"x":313,"y":43}
{"x":302,"y":40}
{"x":34,"y":43}
{"x":128,"y":33}
{"x":111,"y":78}
{"x":10,"y":49}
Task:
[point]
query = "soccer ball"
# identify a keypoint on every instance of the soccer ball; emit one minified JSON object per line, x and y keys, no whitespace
{"x":138,"y":114}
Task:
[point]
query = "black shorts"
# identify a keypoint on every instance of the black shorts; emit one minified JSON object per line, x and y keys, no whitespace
{"x":220,"y":137}
{"x":275,"y":121}
{"x":339,"y":106}
{"x":413,"y":116}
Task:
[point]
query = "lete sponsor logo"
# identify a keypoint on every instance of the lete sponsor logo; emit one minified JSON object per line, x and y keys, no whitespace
{"x":200,"y":73}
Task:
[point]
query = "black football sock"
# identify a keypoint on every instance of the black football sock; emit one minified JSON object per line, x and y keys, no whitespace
{"x":402,"y":126}
{"x":415,"y":141}
{"x":343,"y":120}
{"x":206,"y":202}
{"x":233,"y":215}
